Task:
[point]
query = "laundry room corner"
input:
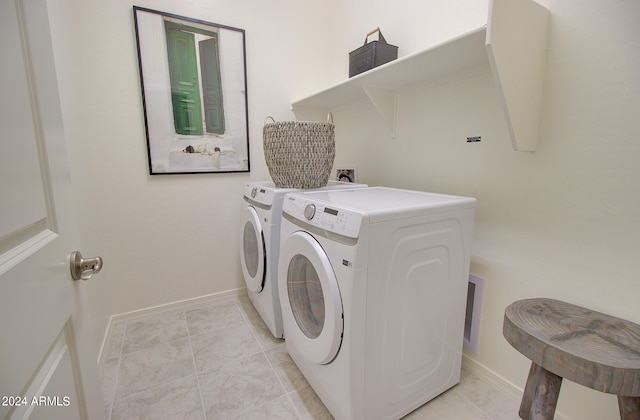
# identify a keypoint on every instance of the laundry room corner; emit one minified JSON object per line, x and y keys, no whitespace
{"x":164,"y":238}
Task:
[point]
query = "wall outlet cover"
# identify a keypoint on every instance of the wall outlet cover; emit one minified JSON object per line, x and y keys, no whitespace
{"x":346,"y":174}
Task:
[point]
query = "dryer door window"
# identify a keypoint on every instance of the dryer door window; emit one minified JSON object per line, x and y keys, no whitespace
{"x":314,"y":302}
{"x":252,"y":252}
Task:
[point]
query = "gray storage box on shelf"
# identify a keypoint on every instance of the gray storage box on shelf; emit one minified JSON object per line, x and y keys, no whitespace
{"x":371,"y":54}
{"x":299,"y":154}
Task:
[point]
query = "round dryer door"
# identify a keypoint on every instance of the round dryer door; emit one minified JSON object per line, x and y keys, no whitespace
{"x":314,"y":300}
{"x":252,"y":250}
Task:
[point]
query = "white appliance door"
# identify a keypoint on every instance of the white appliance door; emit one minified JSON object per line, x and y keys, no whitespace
{"x":253,"y":250}
{"x":314,"y":306}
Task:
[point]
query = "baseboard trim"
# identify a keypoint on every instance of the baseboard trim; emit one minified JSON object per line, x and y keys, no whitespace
{"x":509,"y":388}
{"x":162,"y":309}
{"x":478,"y":369}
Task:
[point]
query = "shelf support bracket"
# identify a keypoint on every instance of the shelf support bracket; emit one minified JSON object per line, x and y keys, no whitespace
{"x":384,"y":100}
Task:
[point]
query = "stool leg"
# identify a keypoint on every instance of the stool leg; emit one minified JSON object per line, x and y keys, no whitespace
{"x":629,"y":408}
{"x":529,"y":392}
{"x":540,"y":394}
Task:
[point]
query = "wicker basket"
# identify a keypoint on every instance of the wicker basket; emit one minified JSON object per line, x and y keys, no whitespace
{"x":299,"y":154}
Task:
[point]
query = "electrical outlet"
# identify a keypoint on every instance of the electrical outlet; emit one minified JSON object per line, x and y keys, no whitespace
{"x":346,"y":174}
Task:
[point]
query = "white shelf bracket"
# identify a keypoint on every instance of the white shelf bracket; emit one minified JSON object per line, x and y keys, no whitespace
{"x":384,"y":100}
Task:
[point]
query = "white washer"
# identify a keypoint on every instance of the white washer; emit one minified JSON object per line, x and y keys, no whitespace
{"x":373,"y":286}
{"x":260,"y":240}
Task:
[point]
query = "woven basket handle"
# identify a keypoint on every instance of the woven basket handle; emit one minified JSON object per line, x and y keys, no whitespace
{"x":373,"y":31}
{"x":330,"y":118}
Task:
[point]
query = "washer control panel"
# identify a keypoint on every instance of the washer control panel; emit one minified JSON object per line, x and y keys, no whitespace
{"x":326,"y":217}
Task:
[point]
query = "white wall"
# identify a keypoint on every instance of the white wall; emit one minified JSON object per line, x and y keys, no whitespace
{"x":560,"y":222}
{"x":165,"y":238}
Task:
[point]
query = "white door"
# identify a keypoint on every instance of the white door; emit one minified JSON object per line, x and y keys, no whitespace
{"x":47,"y":367}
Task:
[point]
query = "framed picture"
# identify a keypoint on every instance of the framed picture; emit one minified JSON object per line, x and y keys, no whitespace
{"x":193,"y":77}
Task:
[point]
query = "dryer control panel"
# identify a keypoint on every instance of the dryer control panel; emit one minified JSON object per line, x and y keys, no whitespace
{"x":333,"y":219}
{"x":258,"y":194}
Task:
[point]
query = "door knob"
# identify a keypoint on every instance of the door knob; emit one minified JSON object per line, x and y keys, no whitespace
{"x":84,"y":268}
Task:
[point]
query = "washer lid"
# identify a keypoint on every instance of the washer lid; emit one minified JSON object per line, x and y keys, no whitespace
{"x":313,"y":310}
{"x":252,"y":250}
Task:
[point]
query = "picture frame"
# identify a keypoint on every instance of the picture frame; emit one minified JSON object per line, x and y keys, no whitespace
{"x":193,"y":80}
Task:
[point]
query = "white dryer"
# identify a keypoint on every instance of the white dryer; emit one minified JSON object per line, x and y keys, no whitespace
{"x":260,"y":240}
{"x":373,"y":286}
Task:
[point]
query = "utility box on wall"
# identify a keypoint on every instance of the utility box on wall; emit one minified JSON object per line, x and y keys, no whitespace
{"x":474,"y":307}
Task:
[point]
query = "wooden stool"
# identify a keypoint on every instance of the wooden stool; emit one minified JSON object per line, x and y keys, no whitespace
{"x":562,"y":340}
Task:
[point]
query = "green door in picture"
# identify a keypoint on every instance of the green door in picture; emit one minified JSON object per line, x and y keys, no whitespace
{"x":211,"y":85}
{"x":183,"y":73}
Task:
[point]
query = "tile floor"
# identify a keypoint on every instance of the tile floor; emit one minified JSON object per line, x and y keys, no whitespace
{"x":219,"y":361}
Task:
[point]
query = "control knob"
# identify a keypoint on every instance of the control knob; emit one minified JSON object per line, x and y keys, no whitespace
{"x":309,"y":211}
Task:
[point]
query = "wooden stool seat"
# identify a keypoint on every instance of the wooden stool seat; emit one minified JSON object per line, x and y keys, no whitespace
{"x":596,"y":350}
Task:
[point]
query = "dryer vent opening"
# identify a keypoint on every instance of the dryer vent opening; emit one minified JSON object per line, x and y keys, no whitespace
{"x":472,"y":318}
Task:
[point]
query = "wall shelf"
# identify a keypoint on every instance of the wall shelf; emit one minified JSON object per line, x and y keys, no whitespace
{"x":513,"y":43}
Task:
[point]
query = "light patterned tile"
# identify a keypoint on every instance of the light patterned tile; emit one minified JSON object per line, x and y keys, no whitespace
{"x":154,"y":366}
{"x":149,"y":332}
{"x":464,"y":372}
{"x":491,"y":400}
{"x":247,"y":308}
{"x":212,"y":350}
{"x":280,"y":409}
{"x":258,"y":327}
{"x":238,"y":385}
{"x":263,"y":334}
{"x":109,"y":379}
{"x":114,"y":347}
{"x":213,"y":317}
{"x":176,"y":400}
{"x":231,"y":343}
{"x":448,"y":406}
{"x":286,"y":368}
{"x":309,"y":405}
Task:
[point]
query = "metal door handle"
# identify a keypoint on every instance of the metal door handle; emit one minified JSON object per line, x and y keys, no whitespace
{"x":84,"y":268}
